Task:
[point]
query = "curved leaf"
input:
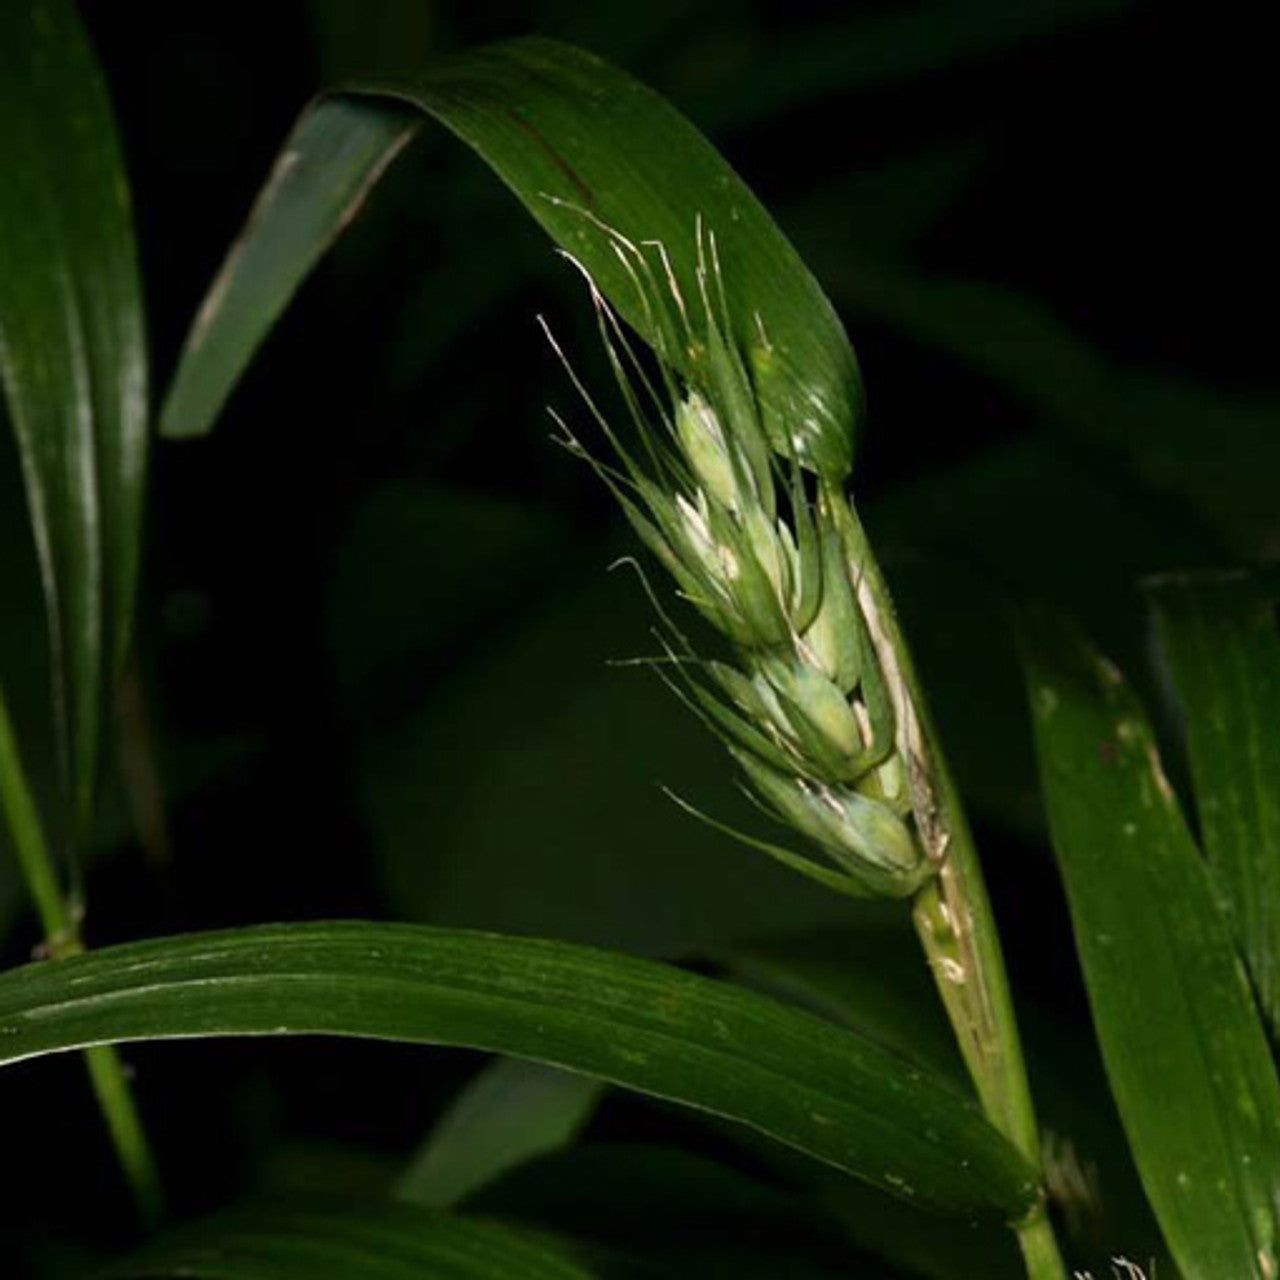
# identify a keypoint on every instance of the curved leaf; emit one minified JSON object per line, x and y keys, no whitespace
{"x":584,"y":146}
{"x":72,"y":355}
{"x":868,"y":977}
{"x":510,"y":1113}
{"x":1183,"y":1046}
{"x":1219,"y":634}
{"x":640,"y":1024}
{"x":335,"y":1241}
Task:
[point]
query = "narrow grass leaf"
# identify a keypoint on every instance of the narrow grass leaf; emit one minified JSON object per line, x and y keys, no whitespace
{"x":511,"y":1112}
{"x":72,"y":356}
{"x":608,"y":168}
{"x":1218,"y":632}
{"x":328,"y":165}
{"x":338,"y":1240}
{"x":1184,"y":1048}
{"x":872,"y":978}
{"x":639,"y":1024}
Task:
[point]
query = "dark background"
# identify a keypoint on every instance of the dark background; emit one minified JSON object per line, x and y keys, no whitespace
{"x":377,"y":625}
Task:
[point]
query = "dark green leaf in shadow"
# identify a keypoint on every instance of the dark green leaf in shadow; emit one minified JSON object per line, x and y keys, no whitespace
{"x":537,"y":743}
{"x":1218,"y":633}
{"x":425,"y":572}
{"x":511,"y":1112}
{"x":1182,"y":1042}
{"x":585,"y":147}
{"x":353,"y":38}
{"x":636,"y":1023}
{"x":72,"y":357}
{"x":956,"y":544}
{"x":870,"y":976}
{"x":892,"y":44}
{"x":338,"y":1240}
{"x":1212,"y":452}
{"x":674,"y":1213}
{"x":873,"y":978}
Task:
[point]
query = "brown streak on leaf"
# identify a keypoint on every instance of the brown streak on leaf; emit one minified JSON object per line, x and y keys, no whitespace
{"x":532,"y":131}
{"x":374,"y":175}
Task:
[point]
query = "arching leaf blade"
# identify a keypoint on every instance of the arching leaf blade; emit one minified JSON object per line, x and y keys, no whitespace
{"x":584,"y":147}
{"x":327,"y":166}
{"x":511,"y":1112}
{"x":637,"y":1023}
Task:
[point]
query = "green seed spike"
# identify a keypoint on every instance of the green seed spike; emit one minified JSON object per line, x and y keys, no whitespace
{"x":712,"y":459}
{"x":811,"y":570}
{"x":730,"y":390}
{"x":729,"y":725}
{"x":866,"y":840}
{"x":822,"y":724}
{"x":756,"y":571}
{"x":830,"y":877}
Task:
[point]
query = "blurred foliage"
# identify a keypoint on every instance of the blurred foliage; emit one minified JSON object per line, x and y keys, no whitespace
{"x":383,"y":648}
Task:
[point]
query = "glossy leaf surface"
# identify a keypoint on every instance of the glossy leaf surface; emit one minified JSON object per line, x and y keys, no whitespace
{"x":511,"y":1112}
{"x":639,"y":1024}
{"x":1184,"y":1048}
{"x":608,"y":168}
{"x":1218,"y":632}
{"x":72,"y":355}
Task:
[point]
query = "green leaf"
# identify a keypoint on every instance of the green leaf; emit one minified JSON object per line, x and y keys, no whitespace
{"x":1184,"y":1049}
{"x":873,"y":978}
{"x":335,"y":1241}
{"x":584,"y":147}
{"x":1218,"y":632}
{"x":1214,"y":455}
{"x":72,"y":356}
{"x":442,"y":831}
{"x":639,"y":1024}
{"x":673,"y":1213}
{"x":511,"y":1112}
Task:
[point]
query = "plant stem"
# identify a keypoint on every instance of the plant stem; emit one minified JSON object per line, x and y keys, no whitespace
{"x":62,"y":938}
{"x":952,"y":912}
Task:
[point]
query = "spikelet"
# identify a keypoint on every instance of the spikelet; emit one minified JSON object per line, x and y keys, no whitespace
{"x":803,"y":706}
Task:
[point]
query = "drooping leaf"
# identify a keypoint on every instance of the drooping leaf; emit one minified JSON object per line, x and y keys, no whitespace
{"x":511,"y":1112}
{"x":607,"y":167}
{"x":72,"y":356}
{"x":1218,"y":632}
{"x":871,"y":976}
{"x":634,"y":1022}
{"x":326,"y":169}
{"x":339,"y":1240}
{"x":1183,"y":1045}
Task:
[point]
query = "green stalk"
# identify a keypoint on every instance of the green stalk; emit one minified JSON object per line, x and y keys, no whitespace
{"x":952,"y":912}
{"x":62,"y":938}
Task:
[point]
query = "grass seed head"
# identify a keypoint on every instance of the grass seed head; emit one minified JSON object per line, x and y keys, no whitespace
{"x":725,"y":506}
